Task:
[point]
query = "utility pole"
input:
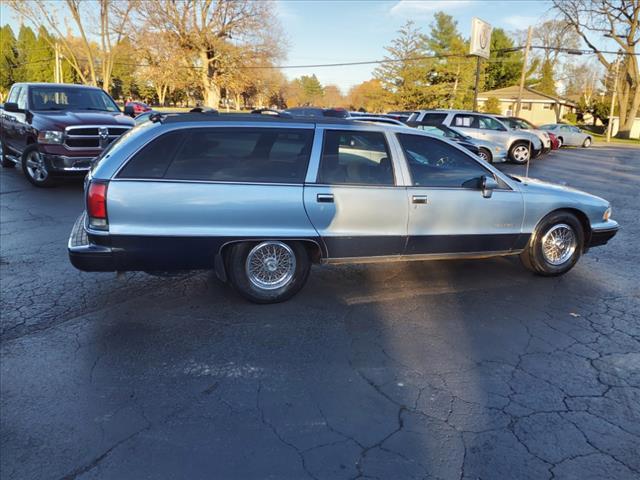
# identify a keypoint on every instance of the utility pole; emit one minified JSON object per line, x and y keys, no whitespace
{"x":475,"y":91}
{"x":524,"y":71}
{"x":57,"y":72}
{"x":613,"y":102}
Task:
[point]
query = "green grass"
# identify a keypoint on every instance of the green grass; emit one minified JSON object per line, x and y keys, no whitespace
{"x":602,"y":140}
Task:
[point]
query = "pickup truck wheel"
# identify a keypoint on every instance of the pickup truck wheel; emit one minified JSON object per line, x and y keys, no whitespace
{"x":555,"y":246}
{"x":34,"y":168}
{"x":268,"y":272}
{"x":520,"y":152}
{"x":4,"y":161}
{"x":485,"y":155}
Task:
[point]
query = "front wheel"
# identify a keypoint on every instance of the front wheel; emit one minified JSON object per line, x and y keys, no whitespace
{"x":555,"y":246}
{"x":268,"y":272}
{"x":520,"y":153}
{"x":34,"y":167}
{"x":587,"y":142}
{"x":4,"y":160}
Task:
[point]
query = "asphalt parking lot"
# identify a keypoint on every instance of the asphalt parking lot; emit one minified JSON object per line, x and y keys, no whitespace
{"x":448,"y":370}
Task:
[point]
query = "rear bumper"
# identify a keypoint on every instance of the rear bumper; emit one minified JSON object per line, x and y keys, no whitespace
{"x":87,"y":256}
{"x":602,"y":236}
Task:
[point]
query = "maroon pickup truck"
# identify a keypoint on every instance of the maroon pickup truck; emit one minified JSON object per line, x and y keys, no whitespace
{"x":52,"y":129}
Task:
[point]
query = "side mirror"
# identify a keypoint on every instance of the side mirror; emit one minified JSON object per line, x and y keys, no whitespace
{"x":487,"y":185}
{"x":11,"y":107}
{"x":128,"y":110}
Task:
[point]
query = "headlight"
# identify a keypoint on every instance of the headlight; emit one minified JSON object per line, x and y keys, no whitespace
{"x":50,"y":136}
{"x":607,"y":214}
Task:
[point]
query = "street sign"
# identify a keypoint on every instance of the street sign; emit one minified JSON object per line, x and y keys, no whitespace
{"x":480,"y":38}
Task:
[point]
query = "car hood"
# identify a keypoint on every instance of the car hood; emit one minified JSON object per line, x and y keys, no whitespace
{"x":534,"y":185}
{"x":60,"y":119}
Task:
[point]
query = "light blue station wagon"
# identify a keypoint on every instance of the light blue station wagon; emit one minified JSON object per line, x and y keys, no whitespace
{"x":259,"y":198}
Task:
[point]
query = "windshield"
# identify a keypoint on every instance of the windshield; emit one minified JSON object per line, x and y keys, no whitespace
{"x":70,"y":98}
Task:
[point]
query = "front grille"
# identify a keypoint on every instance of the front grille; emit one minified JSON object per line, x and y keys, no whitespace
{"x":79,"y":236}
{"x":90,"y":138}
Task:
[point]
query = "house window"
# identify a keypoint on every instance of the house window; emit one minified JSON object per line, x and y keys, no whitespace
{"x":526,"y":106}
{"x":547,"y":106}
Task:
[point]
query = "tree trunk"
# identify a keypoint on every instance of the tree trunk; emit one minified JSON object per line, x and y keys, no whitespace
{"x":210,"y":86}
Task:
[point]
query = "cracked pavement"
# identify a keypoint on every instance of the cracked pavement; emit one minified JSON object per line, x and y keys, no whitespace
{"x":427,"y":370}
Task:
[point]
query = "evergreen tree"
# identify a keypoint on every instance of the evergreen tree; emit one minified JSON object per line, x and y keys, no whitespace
{"x":42,"y":59}
{"x":311,"y":88}
{"x":451,"y":77}
{"x":547,"y":83}
{"x":405,"y":79}
{"x":503,"y":68}
{"x":8,"y":59}
{"x":25,"y":47}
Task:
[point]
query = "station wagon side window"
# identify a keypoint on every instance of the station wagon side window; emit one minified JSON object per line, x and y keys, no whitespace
{"x":355,"y":158}
{"x":154,"y":158}
{"x":228,"y":154}
{"x":434,"y":163}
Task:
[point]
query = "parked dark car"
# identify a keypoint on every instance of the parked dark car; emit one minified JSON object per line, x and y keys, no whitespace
{"x":138,"y":107}
{"x":57,"y":129}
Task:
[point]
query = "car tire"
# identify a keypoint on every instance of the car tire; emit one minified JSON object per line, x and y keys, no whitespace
{"x":560,"y":142}
{"x":4,"y":161}
{"x":269,"y":271}
{"x":555,"y":246}
{"x":587,"y":142}
{"x":485,"y":154}
{"x":520,"y":152}
{"x":35,"y":169}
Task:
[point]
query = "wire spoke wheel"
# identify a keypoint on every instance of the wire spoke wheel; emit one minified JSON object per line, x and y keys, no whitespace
{"x":270,"y":265}
{"x":35,"y":166}
{"x":559,"y":244}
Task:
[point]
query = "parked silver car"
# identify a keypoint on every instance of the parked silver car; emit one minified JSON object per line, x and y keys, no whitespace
{"x":568,"y":135}
{"x":516,"y":123}
{"x":488,"y":151}
{"x":260,"y":198}
{"x":520,"y":145}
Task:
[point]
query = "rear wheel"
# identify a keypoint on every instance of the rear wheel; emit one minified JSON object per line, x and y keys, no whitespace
{"x":555,"y":246}
{"x":587,"y":142}
{"x":485,"y":155}
{"x":520,"y":152}
{"x":34,"y":167}
{"x":560,"y":142}
{"x":268,"y":272}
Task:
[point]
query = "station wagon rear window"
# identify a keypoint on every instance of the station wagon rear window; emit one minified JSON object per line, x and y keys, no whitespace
{"x":264,"y":155}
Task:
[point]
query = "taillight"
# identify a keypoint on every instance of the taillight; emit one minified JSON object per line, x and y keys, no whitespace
{"x":97,"y":205}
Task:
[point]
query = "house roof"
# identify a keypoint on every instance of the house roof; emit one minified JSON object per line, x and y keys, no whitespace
{"x":528,"y":95}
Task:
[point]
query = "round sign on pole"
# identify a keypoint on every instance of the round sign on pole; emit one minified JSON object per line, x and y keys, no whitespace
{"x":480,"y":38}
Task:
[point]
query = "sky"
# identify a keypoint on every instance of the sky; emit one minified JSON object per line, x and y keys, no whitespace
{"x":358,"y":30}
{"x":331,"y":31}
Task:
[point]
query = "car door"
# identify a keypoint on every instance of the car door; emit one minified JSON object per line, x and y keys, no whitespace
{"x":11,"y":121}
{"x":448,"y":212}
{"x":568,"y":135}
{"x":354,"y":195}
{"x":468,"y":125}
{"x":492,"y":129}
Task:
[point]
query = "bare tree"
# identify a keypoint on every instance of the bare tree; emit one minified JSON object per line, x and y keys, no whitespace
{"x":618,"y":20}
{"x":101,"y":24}
{"x":212,"y":30}
{"x":554,"y":35}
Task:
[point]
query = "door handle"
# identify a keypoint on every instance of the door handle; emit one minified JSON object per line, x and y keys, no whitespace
{"x":325,"y":198}
{"x":420,"y":199}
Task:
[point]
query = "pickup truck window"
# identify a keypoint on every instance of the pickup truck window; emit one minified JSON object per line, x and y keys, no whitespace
{"x":14,"y":93}
{"x":434,"y":163}
{"x":263,"y":155}
{"x":22,"y":99}
{"x":70,"y":98}
{"x":355,"y":158}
